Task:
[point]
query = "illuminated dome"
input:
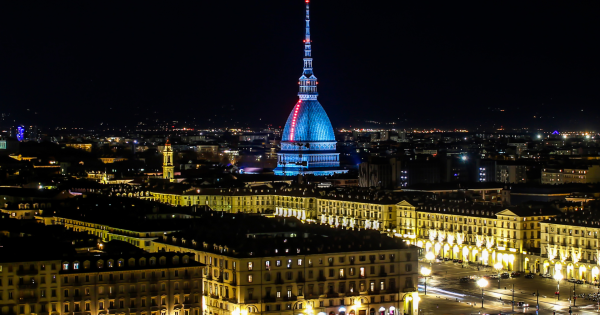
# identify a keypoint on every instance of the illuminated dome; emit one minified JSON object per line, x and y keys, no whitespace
{"x":308,"y":143}
{"x":308,"y":122}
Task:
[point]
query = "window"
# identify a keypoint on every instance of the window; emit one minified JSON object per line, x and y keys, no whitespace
{"x":249,"y":278}
{"x":250,"y":266}
{"x":268,"y":265}
{"x":299,"y":262}
{"x":362,"y":273}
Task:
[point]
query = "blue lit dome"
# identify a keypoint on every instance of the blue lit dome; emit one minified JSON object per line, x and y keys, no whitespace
{"x":308,"y":122}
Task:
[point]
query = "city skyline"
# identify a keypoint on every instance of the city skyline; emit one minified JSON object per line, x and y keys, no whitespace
{"x":122,"y":66}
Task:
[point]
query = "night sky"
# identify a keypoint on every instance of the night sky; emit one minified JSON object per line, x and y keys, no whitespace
{"x":416,"y":63}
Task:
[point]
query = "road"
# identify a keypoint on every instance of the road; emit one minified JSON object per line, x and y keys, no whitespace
{"x":446,"y":295}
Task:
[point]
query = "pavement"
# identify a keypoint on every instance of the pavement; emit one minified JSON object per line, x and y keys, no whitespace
{"x":446,"y":295}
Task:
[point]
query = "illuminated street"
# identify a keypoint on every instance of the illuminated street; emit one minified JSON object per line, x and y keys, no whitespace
{"x":446,"y":295}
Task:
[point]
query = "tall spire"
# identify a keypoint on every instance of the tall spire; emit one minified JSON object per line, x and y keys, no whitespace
{"x":308,"y":81}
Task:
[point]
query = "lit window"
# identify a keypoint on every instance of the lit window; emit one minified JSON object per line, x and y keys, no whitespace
{"x":249,"y":278}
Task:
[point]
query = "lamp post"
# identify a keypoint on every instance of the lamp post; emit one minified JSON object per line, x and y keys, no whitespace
{"x":558,"y":276}
{"x":482,"y":283}
{"x":498,"y":267}
{"x":425,"y":272}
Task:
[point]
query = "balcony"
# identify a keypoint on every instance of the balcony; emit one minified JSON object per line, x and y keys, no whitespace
{"x":269,"y":300}
{"x":28,"y":300}
{"x":27,"y":286}
{"x":278,"y":281}
{"x":321,"y":278}
{"x":220,"y":279}
{"x":290,"y":298}
{"x":27,"y":272}
{"x":383,"y":274}
{"x":251,"y":301}
{"x":342,"y":277}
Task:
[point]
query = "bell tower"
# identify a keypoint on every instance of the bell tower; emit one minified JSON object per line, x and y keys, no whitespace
{"x":168,"y":167}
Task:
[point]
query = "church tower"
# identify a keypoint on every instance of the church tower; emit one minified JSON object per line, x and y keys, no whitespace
{"x":308,"y":143}
{"x":168,"y":167}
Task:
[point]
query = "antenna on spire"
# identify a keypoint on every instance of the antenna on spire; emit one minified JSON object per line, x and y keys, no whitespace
{"x":308,"y":81}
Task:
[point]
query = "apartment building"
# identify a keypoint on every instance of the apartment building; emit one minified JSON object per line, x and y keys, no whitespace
{"x":481,"y":234}
{"x":582,"y":175}
{"x":286,"y":267}
{"x":152,"y":284}
{"x":354,"y":208}
{"x":570,"y":246}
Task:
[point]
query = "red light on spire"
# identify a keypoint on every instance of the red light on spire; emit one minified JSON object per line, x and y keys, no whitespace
{"x":307,"y":1}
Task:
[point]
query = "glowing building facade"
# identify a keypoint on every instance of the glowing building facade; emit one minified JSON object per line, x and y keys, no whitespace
{"x":308,"y":143}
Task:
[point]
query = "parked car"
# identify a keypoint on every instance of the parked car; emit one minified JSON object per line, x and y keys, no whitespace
{"x":460,"y":261}
{"x":446,"y":259}
{"x":522,"y":304}
{"x":546,"y":275}
{"x":579,"y":281}
{"x":464,"y":280}
{"x":454,"y":260}
{"x":505,"y":275}
{"x":529,"y":276}
{"x":572,"y":280}
{"x":515,"y":274}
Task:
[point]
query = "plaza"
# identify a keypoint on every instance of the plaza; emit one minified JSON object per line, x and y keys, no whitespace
{"x":447,"y":295}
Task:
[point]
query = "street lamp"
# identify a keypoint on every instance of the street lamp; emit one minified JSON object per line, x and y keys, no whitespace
{"x":482,"y":283}
{"x":425,"y":272}
{"x":498,"y":267}
{"x":558,"y":276}
{"x":430,"y":256}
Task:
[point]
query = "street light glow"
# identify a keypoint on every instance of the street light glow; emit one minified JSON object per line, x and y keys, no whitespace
{"x":430,"y":256}
{"x":482,"y":283}
{"x":558,"y":276}
{"x":425,"y":271}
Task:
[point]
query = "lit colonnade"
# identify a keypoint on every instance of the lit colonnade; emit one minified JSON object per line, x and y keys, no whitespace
{"x":480,"y":234}
{"x":570,"y":247}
